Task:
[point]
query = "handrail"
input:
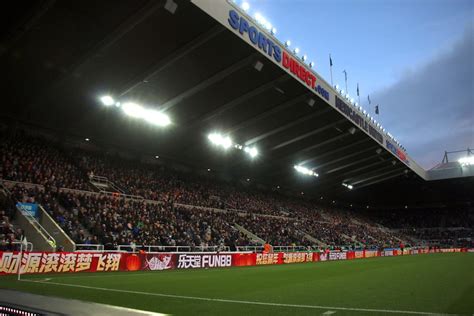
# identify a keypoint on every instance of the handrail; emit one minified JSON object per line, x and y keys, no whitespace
{"x":40,"y":229}
{"x":250,"y":248}
{"x":105,"y":180}
{"x":57,"y":226}
{"x":151,"y":248}
{"x":95,"y":247}
{"x":29,"y":245}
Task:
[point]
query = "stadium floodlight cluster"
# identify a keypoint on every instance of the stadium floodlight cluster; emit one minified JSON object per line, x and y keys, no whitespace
{"x":305,"y":171}
{"x":226,"y":142}
{"x":467,"y":161}
{"x":135,"y":110}
{"x":349,"y":186}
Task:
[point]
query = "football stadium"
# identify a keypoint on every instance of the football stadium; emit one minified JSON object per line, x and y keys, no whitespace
{"x":177,"y":157}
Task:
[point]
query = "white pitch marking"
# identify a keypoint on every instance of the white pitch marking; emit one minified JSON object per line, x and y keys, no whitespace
{"x":222,"y":300}
{"x":329,"y":312}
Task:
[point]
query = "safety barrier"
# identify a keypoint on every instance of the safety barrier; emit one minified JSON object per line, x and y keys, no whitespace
{"x":44,"y":262}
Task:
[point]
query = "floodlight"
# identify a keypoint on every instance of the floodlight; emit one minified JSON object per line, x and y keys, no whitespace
{"x":245,"y":6}
{"x":311,"y":64}
{"x":253,"y":152}
{"x":288,"y":43}
{"x":467,"y":161}
{"x":305,"y":171}
{"x":274,"y":31}
{"x":226,"y":142}
{"x":156,"y":118}
{"x":134,"y":110}
{"x":349,"y":186}
{"x":304,"y":57}
{"x":219,"y":140}
{"x":296,"y":50}
{"x":107,"y":100}
{"x":337,"y":87}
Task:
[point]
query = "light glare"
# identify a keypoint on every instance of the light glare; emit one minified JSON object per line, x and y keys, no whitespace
{"x":305,"y":171}
{"x":467,"y":161}
{"x":156,"y":118}
{"x":133,"y":110}
{"x":107,"y":100}
{"x":219,"y":140}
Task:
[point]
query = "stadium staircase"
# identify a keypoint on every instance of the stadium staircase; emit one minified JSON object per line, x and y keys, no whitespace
{"x":103,"y":184}
{"x":313,"y":240}
{"x":250,"y":235}
{"x":41,"y":230}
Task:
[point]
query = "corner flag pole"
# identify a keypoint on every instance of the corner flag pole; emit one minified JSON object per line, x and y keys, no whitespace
{"x":23,"y":242}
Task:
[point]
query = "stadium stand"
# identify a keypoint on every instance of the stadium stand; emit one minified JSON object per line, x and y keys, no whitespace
{"x":167,"y":208}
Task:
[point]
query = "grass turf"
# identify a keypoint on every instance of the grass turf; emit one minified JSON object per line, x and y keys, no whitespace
{"x":438,"y":283}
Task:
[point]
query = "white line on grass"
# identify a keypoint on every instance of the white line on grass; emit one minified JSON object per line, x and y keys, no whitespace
{"x":222,"y":300}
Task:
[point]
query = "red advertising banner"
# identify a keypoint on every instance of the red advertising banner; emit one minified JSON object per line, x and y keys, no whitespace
{"x":45,"y":262}
{"x":71,"y":262}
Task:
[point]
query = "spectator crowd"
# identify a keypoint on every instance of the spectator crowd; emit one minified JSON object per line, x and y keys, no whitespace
{"x":175,"y":209}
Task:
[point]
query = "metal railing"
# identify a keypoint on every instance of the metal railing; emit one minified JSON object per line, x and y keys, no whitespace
{"x":29,"y":245}
{"x":106,"y":182}
{"x":150,"y":248}
{"x":40,"y":229}
{"x":89,"y":247}
{"x":123,"y":195}
{"x":250,"y":248}
{"x":47,"y":220}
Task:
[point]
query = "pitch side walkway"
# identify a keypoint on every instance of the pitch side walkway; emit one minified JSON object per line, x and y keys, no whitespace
{"x":47,"y":305}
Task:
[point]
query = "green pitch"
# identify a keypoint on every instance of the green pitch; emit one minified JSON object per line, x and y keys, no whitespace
{"x":409,"y":285}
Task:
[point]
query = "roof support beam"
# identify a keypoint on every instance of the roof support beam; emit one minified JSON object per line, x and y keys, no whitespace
{"x":171,"y":59}
{"x":231,"y":104}
{"x":313,"y":132}
{"x":208,"y":82}
{"x":382,"y":179}
{"x":282,"y":128}
{"x":376,"y":176}
{"x":329,"y":153}
{"x":268,"y":113}
{"x":345,"y":157}
{"x":350,"y":164}
{"x":362,"y":168}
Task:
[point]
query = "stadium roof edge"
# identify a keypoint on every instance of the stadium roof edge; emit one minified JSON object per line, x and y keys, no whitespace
{"x":219,"y":10}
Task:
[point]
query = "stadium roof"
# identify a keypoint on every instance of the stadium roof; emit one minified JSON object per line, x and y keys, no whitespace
{"x":58,"y":58}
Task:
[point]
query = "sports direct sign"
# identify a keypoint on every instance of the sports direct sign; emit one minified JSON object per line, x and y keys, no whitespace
{"x":266,"y":45}
{"x":72,"y":262}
